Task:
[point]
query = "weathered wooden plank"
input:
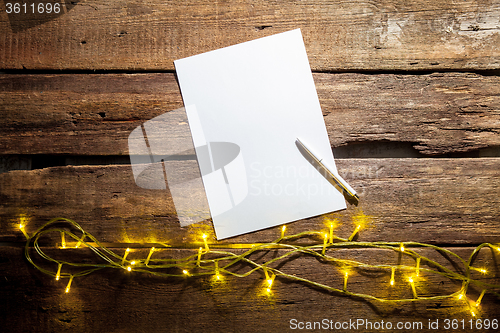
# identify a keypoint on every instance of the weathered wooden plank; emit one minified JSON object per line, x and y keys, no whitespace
{"x":450,"y":201}
{"x":119,"y":301}
{"x":94,"y":114}
{"x":359,"y":35}
{"x":91,"y":115}
{"x":438,"y":113}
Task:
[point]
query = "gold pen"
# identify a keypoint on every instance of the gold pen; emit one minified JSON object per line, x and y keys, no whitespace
{"x":334,"y":175}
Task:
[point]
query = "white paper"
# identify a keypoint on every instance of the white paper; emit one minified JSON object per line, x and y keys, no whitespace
{"x":246,"y":105}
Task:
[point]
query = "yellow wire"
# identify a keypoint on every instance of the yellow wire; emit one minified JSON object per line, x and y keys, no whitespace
{"x":224,"y":260}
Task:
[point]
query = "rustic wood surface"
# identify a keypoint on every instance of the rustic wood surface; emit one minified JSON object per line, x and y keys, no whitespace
{"x":410,"y":97}
{"x":443,"y":201}
{"x":339,"y":35}
{"x":94,"y":114}
{"x":120,"y":301}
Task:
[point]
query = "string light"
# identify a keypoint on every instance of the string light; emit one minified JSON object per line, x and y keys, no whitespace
{"x":346,"y":276}
{"x":358,"y":228}
{"x":204,"y":236}
{"x":21,"y":227}
{"x":325,"y":239}
{"x":127,"y":251}
{"x":69,"y":284}
{"x":402,"y":247}
{"x":360,"y":220}
{"x":463,"y":291}
{"x":270,"y":281}
{"x":480,"y":270}
{"x":192,"y":268}
{"x":332,"y":224}
{"x":149,"y":256}
{"x":283,"y":229}
{"x":58,"y":274}
{"x":480,"y":297}
{"x":80,"y":242}
{"x":265,"y":272}
{"x":63,"y":240}
{"x":473,"y":309}
{"x":412,"y":283}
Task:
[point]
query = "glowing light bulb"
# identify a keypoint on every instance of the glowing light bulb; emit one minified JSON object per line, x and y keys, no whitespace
{"x":283,"y":229}
{"x":149,"y":256}
{"x":80,"y":241}
{"x":358,"y":228}
{"x":480,"y":270}
{"x":331,"y":233}
{"x":270,"y":281}
{"x":127,"y":251}
{"x":58,"y":274}
{"x":185,"y":272}
{"x":63,"y":240}
{"x":21,"y":227}
{"x":205,"y":241}
{"x":129,"y":268}
{"x":69,"y":284}
{"x":133,"y":262}
{"x":460,"y":296}
{"x":412,"y":283}
{"x":480,"y":297}
{"x":325,"y":240}
{"x":392,"y":275}
{"x":472,"y":313}
{"x":402,"y":248}
{"x":346,"y":276}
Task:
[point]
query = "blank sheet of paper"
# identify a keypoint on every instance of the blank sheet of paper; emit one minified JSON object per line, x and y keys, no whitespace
{"x":246,"y":105}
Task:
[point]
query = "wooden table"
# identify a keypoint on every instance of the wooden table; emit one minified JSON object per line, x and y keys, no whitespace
{"x":411,"y":99}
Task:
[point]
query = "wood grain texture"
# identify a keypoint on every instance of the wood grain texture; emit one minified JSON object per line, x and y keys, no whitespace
{"x":118,"y":301}
{"x":441,"y":201}
{"x":437,"y":114}
{"x":359,"y":35}
{"x":94,"y":114}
